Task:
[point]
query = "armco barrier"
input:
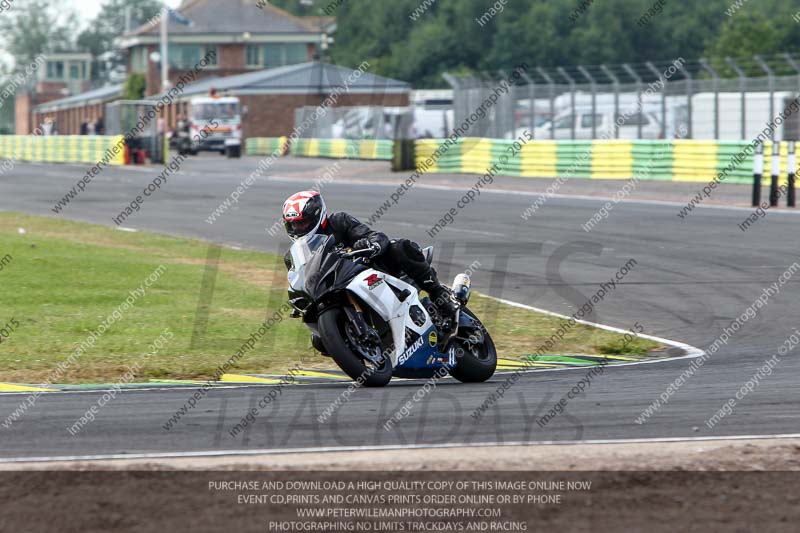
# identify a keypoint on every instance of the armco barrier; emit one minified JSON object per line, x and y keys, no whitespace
{"x":677,"y":160}
{"x":64,"y":148}
{"x":335,"y":148}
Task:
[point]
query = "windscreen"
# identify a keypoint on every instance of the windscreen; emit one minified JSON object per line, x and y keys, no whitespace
{"x":223,"y":111}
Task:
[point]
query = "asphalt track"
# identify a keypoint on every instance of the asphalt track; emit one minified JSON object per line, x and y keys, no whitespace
{"x":692,"y":278}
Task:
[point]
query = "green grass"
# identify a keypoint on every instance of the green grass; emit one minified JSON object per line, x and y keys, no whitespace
{"x":64,"y":278}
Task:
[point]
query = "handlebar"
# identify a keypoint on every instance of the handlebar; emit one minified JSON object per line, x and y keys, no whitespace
{"x":349,"y":253}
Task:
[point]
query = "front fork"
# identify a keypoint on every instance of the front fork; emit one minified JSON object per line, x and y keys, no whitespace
{"x":355,"y":315}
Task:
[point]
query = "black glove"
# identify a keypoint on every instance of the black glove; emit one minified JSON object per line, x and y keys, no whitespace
{"x":366,"y":243}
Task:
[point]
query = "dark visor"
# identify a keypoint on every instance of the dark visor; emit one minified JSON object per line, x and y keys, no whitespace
{"x":299,"y":227}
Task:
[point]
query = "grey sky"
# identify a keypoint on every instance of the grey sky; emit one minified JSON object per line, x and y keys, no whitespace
{"x":88,"y":9}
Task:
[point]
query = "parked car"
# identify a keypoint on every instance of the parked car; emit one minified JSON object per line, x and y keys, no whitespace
{"x":605,"y":121}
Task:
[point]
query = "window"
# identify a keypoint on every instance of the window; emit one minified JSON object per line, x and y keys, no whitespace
{"x":139,"y":59}
{"x":634,"y":119}
{"x":186,"y":56}
{"x":276,"y":55}
{"x":565,"y":123}
{"x":55,"y":70}
{"x":253,"y":56}
{"x":587,"y":122}
{"x":76,"y":71}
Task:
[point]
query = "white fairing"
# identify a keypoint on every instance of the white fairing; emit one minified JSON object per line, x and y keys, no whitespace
{"x":383,"y":300}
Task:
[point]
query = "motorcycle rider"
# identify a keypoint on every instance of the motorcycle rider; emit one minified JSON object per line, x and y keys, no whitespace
{"x":304,"y":213}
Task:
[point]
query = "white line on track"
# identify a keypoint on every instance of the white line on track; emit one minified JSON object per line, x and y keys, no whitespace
{"x":691,"y":351}
{"x":329,"y":449}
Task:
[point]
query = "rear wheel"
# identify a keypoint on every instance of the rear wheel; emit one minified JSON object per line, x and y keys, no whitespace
{"x":365,"y":364}
{"x":476,"y":355}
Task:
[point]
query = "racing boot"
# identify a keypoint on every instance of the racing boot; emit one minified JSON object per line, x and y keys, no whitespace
{"x":443,"y":299}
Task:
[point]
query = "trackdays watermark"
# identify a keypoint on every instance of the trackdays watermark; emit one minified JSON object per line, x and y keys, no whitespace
{"x":586,"y":382}
{"x":252,"y":413}
{"x":566,"y":325}
{"x":419,"y":395}
{"x":91,"y":413}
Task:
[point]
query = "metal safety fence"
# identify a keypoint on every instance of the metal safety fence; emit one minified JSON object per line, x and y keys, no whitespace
{"x":700,"y":99}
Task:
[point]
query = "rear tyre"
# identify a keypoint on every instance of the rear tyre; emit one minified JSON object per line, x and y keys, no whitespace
{"x":475,"y":362}
{"x":332,"y":327}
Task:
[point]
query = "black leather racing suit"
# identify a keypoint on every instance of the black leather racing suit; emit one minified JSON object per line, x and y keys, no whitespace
{"x":396,"y":256}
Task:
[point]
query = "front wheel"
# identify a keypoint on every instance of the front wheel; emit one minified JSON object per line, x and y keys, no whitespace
{"x":476,"y":355}
{"x":339,"y":339}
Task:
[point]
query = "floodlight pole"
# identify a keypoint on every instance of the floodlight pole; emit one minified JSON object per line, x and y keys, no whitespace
{"x":165,"y":84}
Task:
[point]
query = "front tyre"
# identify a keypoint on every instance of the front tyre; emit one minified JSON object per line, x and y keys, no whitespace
{"x":476,"y":355}
{"x":333,"y":327}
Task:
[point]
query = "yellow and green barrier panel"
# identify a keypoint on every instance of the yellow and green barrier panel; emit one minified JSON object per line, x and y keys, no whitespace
{"x":266,"y":145}
{"x":668,"y":160}
{"x":333,"y":148}
{"x":63,"y":148}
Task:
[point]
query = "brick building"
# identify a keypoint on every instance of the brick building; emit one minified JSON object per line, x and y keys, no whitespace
{"x":60,"y":75}
{"x":265,"y":57}
{"x":244,"y":37}
{"x":271,"y":96}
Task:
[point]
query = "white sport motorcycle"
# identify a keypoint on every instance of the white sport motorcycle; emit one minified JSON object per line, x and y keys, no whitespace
{"x":375,"y":326}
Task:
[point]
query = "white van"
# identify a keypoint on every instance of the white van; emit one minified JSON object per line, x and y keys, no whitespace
{"x":216,"y":124}
{"x":605,"y":121}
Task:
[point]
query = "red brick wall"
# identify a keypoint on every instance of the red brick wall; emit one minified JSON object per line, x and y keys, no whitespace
{"x":273,"y":115}
{"x":231,"y":57}
{"x":231,"y":61}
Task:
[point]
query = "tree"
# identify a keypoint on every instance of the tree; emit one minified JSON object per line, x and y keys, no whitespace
{"x":36,"y":27}
{"x":109,"y":24}
{"x":134,"y":87}
{"x":743,"y":36}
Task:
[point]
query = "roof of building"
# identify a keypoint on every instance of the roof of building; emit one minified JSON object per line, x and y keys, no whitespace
{"x":95,"y":96}
{"x":233,"y":16}
{"x":304,"y":78}
{"x":313,"y":77}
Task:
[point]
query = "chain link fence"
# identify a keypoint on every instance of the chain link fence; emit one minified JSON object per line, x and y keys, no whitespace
{"x":689,"y":100}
